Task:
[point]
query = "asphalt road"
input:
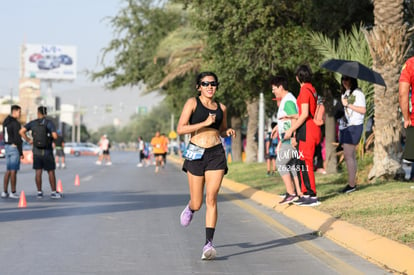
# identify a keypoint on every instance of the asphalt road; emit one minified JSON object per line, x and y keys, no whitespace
{"x":122,"y":219}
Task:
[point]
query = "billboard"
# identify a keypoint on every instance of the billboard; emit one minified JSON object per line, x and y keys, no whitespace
{"x":53,"y":62}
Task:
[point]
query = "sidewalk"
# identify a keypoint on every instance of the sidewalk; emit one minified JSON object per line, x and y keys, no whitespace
{"x":384,"y":252}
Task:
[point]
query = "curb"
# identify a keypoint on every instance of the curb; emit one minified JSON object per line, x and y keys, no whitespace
{"x":384,"y":252}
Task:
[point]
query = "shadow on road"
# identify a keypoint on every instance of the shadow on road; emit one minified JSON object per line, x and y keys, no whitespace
{"x":90,"y":203}
{"x":252,"y":247}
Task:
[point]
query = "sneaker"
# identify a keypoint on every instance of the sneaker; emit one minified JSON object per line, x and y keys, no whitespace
{"x":139,"y":165}
{"x":98,"y":162}
{"x":14,"y":195}
{"x":186,"y":216}
{"x":57,"y":165}
{"x":209,"y":252}
{"x":268,"y":174}
{"x":55,"y":195}
{"x":109,"y":163}
{"x":282,"y":195}
{"x":321,"y":171}
{"x":63,"y":165}
{"x":39,"y":194}
{"x":4,"y":195}
{"x":300,"y":200}
{"x":288,"y":199}
{"x":349,"y":189}
{"x":310,"y":201}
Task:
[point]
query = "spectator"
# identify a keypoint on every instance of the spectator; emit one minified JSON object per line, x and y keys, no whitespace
{"x":59,"y":145}
{"x":104,"y":155}
{"x":141,"y":150}
{"x":165,"y":146}
{"x":43,"y":132}
{"x":351,"y":126}
{"x":412,"y":172}
{"x":158,"y":145}
{"x":407,"y":83}
{"x":14,"y":151}
{"x":270,"y":154}
{"x":227,"y":148}
{"x":308,"y":135}
{"x":320,"y":163}
{"x":286,"y":152}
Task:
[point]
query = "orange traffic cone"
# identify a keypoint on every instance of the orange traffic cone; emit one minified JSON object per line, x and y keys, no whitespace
{"x":22,"y":200}
{"x":59,"y":186}
{"x":77,"y":182}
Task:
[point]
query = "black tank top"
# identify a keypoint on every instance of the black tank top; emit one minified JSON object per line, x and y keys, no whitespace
{"x":201,"y":113}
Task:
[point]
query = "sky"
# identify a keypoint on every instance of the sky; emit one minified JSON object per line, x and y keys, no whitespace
{"x":79,"y":23}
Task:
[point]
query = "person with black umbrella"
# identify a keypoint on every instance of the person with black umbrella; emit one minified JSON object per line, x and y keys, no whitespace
{"x":351,"y":126}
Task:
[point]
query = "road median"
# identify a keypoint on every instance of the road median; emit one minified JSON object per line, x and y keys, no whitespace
{"x":384,"y":252}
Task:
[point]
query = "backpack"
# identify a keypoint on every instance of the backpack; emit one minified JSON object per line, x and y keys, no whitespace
{"x":319,"y":117}
{"x":39,"y":134}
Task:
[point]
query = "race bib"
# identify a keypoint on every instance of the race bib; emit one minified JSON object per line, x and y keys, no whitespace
{"x":194,"y":152}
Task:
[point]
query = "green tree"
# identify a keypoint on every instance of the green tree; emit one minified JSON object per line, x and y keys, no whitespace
{"x":158,"y":119}
{"x":247,"y":41}
{"x":138,"y":28}
{"x":250,"y":40}
{"x":181,"y":52}
{"x":182,"y":49}
{"x":331,"y":17}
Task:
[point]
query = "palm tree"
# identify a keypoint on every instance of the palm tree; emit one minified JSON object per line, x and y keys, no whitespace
{"x":388,"y":41}
{"x":349,"y":46}
{"x":183,"y":49}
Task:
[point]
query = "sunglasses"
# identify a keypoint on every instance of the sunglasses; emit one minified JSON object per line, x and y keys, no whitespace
{"x":206,"y":83}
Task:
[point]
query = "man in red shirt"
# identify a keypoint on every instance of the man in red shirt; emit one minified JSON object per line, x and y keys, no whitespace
{"x":308,"y":135}
{"x":407,"y":83}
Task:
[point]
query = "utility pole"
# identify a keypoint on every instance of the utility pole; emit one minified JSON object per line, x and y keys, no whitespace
{"x":79,"y":122}
{"x":260,"y":155}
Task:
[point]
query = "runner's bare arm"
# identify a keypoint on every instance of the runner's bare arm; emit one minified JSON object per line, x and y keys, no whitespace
{"x":224,"y":131}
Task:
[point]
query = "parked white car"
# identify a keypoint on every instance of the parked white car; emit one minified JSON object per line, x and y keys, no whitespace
{"x":81,"y":149}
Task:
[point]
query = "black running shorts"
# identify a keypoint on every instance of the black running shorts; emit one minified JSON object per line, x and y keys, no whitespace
{"x":214,"y":158}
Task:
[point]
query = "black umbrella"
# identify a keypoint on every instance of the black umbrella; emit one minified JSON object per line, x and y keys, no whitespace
{"x":353,"y":69}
